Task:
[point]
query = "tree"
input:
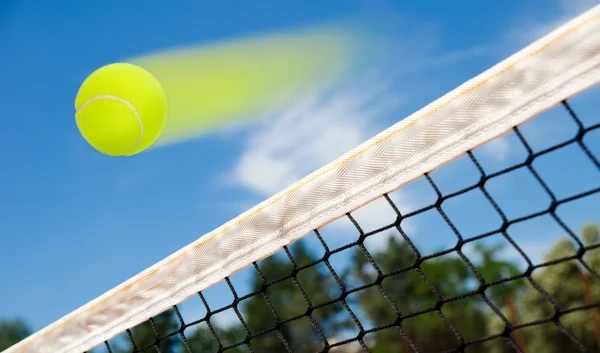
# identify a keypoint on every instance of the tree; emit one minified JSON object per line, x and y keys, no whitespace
{"x":11,"y":332}
{"x":491,"y":267}
{"x":565,"y":283}
{"x":145,"y":335}
{"x":199,"y":339}
{"x":202,"y":340}
{"x":449,"y":275}
{"x":290,"y":304}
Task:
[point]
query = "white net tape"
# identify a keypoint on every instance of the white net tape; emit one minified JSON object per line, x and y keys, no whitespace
{"x":552,"y":69}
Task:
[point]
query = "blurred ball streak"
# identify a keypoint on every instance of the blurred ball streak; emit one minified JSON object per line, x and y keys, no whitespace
{"x":217,"y":86}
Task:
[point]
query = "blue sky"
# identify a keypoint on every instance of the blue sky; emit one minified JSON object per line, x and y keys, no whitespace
{"x":74,"y":223}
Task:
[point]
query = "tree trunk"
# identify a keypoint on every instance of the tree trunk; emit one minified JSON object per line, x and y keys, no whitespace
{"x":587,"y":296}
{"x":514,"y":319}
{"x":405,"y":344}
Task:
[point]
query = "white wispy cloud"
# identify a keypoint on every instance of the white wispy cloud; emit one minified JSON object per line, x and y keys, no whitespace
{"x":329,"y":123}
{"x":311,"y":133}
{"x":526,"y":31}
{"x":498,"y":149}
{"x":438,"y":60}
{"x":314,"y":132}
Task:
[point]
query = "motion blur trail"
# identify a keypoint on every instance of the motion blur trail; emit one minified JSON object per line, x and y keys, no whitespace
{"x":228,"y":83}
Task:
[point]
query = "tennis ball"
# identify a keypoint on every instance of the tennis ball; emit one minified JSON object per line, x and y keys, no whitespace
{"x":120,"y":109}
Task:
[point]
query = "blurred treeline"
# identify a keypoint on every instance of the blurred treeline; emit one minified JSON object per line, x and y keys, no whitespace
{"x":387,"y":296}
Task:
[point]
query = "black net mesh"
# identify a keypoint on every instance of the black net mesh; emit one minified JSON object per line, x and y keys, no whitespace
{"x":494,"y":252}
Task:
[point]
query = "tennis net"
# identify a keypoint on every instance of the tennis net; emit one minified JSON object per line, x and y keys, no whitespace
{"x":491,"y":252}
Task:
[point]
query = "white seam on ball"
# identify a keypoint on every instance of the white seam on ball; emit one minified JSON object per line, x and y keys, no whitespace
{"x":114,"y":98}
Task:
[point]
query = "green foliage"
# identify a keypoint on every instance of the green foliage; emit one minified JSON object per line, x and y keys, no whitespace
{"x":414,"y":291}
{"x":420,"y":289}
{"x":145,"y":334}
{"x":289,"y":302}
{"x":199,"y":338}
{"x":565,"y":283}
{"x":12,"y":332}
{"x":202,"y":339}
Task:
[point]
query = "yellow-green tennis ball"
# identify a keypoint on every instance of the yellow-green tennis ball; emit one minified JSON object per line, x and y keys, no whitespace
{"x":120,"y":109}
